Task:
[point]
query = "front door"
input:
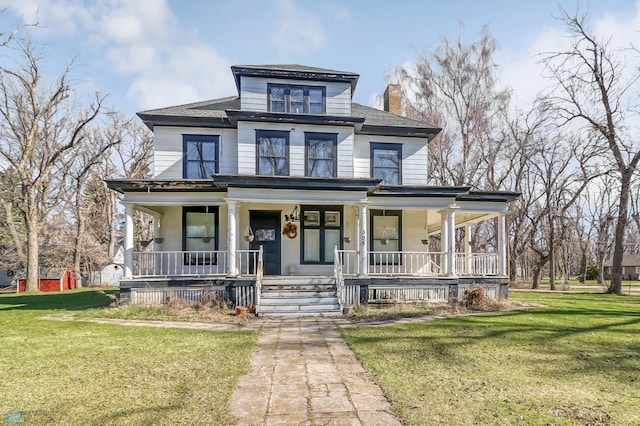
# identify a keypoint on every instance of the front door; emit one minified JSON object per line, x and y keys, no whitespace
{"x":266,"y":230}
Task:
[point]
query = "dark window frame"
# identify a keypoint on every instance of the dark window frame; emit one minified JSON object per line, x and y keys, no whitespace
{"x":188,"y":259}
{"x":383,"y":213}
{"x":306,"y":100}
{"x":273,"y":133}
{"x":326,"y":136}
{"x":387,"y":147}
{"x":322,"y":227}
{"x":187,"y":138}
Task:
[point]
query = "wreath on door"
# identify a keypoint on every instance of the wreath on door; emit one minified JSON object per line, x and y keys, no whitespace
{"x":290,"y":230}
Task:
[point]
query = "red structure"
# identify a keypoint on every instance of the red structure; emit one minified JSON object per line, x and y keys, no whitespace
{"x":52,"y":279}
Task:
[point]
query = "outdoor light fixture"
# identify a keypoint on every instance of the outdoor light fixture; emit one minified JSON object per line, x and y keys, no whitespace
{"x":294,"y":216}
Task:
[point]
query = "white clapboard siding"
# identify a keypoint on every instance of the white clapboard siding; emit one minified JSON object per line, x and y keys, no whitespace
{"x":247,"y":146}
{"x":414,"y":157}
{"x":253,"y":94}
{"x":168,"y":155}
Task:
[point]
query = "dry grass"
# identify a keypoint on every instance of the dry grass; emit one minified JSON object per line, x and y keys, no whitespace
{"x":392,"y":311}
{"x":210,"y":308}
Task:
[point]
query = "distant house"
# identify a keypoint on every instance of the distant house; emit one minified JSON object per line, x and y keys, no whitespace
{"x":290,"y":184}
{"x":51,"y":279}
{"x":630,"y":267}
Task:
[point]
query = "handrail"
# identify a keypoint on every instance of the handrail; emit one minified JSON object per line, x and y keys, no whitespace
{"x":337,"y":270}
{"x":179,"y":263}
{"x":259,"y":273}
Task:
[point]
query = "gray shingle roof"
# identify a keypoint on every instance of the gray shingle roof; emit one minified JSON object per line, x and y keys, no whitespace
{"x":296,"y":68}
{"x":628,"y":259}
{"x":295,"y":72}
{"x":377,"y":117}
{"x":216,"y":109}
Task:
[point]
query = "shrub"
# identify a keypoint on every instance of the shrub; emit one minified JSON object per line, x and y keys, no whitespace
{"x":592,"y":272}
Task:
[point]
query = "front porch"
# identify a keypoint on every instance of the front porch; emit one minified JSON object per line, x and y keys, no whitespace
{"x":375,"y":243}
{"x":392,"y":276}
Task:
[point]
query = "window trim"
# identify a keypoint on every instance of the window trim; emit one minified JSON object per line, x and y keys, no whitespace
{"x":189,"y":137}
{"x":334,"y":139}
{"x":386,"y":146}
{"x":322,"y":227}
{"x":188,"y":260}
{"x":383,"y":213}
{"x":272,"y":133}
{"x":287,"y":97}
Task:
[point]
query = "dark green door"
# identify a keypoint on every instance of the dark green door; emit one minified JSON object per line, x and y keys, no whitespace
{"x":266,"y":231}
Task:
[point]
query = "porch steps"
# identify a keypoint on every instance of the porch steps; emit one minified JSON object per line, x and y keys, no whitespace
{"x":299,"y":297}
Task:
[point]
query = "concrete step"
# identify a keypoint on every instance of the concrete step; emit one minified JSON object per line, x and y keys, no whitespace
{"x":299,"y":281}
{"x":300,"y":308}
{"x":299,"y":314}
{"x":298,"y":294}
{"x":285,"y":301}
{"x":301,"y":288}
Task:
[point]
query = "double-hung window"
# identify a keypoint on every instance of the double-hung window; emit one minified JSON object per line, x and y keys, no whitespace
{"x":200,"y":156}
{"x":321,"y":232}
{"x":200,"y":231}
{"x":296,"y":99}
{"x":386,"y":237}
{"x":320,"y":149}
{"x":386,"y":162}
{"x":272,"y":153}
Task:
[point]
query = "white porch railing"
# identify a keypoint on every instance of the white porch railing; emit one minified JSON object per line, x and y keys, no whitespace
{"x":192,"y":263}
{"x":259,"y":273}
{"x":247,"y":262}
{"x":405,"y":263}
{"x":349,"y":261}
{"x":179,"y":263}
{"x":477,"y":264}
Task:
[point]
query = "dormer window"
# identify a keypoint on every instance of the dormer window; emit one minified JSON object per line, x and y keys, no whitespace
{"x":295,"y":99}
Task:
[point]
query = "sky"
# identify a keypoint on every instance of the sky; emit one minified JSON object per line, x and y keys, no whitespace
{"x":148,"y":54}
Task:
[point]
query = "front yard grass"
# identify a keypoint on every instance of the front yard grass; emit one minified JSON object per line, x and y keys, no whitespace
{"x":71,"y":372}
{"x":574,"y":361}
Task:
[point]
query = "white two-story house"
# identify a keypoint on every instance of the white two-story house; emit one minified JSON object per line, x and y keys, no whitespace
{"x":291,"y":183}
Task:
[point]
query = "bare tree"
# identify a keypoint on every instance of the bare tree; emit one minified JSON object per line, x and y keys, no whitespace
{"x":131,"y":158}
{"x":591,"y":89}
{"x":456,"y":88}
{"x":40,"y":126}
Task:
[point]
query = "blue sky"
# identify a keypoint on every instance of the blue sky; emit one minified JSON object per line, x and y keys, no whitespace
{"x":154,"y":53}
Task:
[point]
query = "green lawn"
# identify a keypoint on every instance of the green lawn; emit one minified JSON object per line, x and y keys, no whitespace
{"x":575,"y":361}
{"x":73,"y":372}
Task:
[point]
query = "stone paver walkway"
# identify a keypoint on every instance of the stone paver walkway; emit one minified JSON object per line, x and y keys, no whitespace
{"x":304,"y":373}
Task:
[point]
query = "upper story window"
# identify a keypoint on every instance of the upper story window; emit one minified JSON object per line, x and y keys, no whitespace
{"x":296,"y":99}
{"x":272,"y":153}
{"x":386,"y":162}
{"x":200,"y":156}
{"x":320,"y":149}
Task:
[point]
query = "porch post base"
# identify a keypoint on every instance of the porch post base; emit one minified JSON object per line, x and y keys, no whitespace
{"x":454,"y":294}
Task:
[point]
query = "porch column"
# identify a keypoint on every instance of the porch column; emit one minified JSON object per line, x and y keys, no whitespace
{"x":362,"y":240}
{"x":467,"y":248}
{"x":448,"y":240}
{"x":502,"y":245}
{"x":444,"y":240}
{"x":451,"y":245}
{"x":232,"y":240}
{"x":128,"y":241}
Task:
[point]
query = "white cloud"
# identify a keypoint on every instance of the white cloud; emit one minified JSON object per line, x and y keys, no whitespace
{"x":300,"y":32}
{"x":523,"y":72}
{"x":141,"y":40}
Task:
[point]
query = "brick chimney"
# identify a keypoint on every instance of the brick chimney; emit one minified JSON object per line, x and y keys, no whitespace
{"x":393,"y":99}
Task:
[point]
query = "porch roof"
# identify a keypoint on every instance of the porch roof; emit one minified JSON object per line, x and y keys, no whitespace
{"x":373,"y":187}
{"x":292,"y":182}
